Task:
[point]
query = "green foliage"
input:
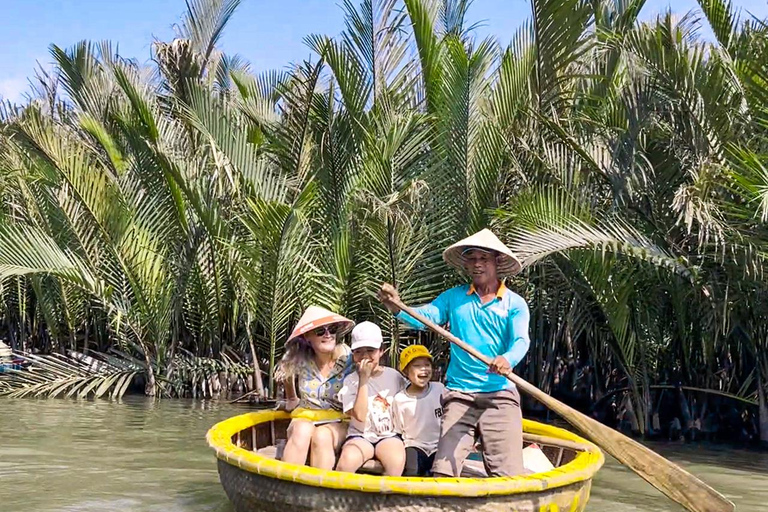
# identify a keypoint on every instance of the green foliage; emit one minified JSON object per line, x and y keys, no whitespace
{"x":193,"y":208}
{"x":77,"y":376}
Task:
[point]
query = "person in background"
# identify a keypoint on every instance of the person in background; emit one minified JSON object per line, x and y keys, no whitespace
{"x":367,"y":397}
{"x":418,"y":411}
{"x":312,"y":370}
{"x":494,"y":320}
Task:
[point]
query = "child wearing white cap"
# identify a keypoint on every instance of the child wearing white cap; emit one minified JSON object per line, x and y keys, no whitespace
{"x":367,"y":397}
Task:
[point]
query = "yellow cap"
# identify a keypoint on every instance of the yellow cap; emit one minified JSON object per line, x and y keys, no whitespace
{"x":412,"y":352}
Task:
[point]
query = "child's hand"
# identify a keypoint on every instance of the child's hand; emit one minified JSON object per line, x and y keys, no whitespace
{"x":364,"y":370}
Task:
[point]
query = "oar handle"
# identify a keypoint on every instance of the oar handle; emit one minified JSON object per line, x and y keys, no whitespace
{"x":672,"y":480}
{"x":466,"y":347}
{"x":442,"y":332}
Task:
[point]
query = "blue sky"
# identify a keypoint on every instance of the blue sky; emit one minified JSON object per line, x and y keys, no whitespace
{"x":268,"y":33}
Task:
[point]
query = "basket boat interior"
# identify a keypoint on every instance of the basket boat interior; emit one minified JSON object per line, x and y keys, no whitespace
{"x":268,"y":438}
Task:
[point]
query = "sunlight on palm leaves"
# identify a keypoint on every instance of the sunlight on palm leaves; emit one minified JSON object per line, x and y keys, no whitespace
{"x":546,"y":222}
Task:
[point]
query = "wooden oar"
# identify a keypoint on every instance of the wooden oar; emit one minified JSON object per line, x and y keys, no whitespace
{"x":669,"y":478}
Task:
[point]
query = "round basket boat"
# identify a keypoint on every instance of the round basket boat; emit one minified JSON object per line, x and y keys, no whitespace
{"x":255,"y":480}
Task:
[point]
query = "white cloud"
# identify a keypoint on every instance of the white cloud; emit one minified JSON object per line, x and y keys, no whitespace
{"x":12,"y":89}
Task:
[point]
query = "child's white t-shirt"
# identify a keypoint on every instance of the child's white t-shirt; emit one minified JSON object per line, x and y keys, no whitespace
{"x":419,"y":418}
{"x":381,"y":393}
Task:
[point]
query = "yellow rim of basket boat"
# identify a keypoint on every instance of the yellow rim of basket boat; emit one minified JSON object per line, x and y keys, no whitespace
{"x":219,"y":437}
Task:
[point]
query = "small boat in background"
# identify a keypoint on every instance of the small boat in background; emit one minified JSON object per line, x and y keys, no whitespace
{"x":247,"y":446}
{"x":7,"y":360}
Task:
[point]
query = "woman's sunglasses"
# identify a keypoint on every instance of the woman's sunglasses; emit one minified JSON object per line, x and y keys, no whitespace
{"x":330,"y":329}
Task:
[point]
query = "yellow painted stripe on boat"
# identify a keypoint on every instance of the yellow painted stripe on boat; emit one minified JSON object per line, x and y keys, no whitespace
{"x":219,"y":437}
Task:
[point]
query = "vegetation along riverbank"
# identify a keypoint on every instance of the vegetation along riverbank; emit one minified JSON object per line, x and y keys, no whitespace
{"x":162,"y":226}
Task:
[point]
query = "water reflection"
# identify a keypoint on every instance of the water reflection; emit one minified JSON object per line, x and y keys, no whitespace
{"x":147,"y":455}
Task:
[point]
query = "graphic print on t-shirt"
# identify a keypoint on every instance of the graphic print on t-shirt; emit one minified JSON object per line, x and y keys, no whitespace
{"x":379,"y":415}
{"x":382,"y":389}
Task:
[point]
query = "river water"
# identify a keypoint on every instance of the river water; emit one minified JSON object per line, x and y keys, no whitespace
{"x":147,"y":456}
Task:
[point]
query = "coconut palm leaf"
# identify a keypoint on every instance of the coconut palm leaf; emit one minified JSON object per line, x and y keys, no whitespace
{"x":720,"y":14}
{"x":374,"y":35}
{"x":424,"y":18}
{"x":26,"y":250}
{"x":269,"y":270}
{"x":75,"y":375}
{"x":291,"y":141}
{"x":233,"y":153}
{"x":83,"y":77}
{"x":178,"y":211}
{"x":559,"y":45}
{"x":204,"y":24}
{"x":549,"y":221}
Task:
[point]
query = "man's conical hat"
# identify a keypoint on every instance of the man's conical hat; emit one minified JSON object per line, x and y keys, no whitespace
{"x":315,"y":317}
{"x":508,"y":264}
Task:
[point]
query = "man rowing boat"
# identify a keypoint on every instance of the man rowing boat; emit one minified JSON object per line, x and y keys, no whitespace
{"x":494,"y":320}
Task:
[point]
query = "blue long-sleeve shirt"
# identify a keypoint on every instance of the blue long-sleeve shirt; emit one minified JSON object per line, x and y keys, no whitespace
{"x":498,"y":327}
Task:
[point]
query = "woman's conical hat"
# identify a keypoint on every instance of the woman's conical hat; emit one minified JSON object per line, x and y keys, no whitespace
{"x":508,"y":264}
{"x":315,"y":317}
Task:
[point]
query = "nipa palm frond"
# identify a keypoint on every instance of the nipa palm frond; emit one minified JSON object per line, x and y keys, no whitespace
{"x":547,"y":221}
{"x":77,"y":375}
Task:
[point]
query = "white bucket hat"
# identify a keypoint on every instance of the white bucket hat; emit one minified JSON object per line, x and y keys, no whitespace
{"x":366,"y":334}
{"x":315,"y":317}
{"x":508,"y":264}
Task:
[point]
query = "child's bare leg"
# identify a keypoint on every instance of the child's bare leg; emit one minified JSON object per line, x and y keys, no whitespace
{"x":391,"y":453}
{"x":299,"y":437}
{"x":326,"y":442}
{"x":356,"y":452}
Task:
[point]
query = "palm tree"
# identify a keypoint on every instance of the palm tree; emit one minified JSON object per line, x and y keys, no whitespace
{"x":185,"y":212}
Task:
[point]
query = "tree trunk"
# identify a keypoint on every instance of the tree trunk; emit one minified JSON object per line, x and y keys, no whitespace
{"x":394,"y":332}
{"x":256,"y":369}
{"x":393,"y":350}
{"x":150,"y":388}
{"x":648,"y":410}
{"x":272,"y":361}
{"x":12,"y":334}
{"x":763,"y":406}
{"x":85,"y":339}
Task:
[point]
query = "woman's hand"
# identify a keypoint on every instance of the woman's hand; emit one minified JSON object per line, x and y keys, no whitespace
{"x":291,"y":399}
{"x":287,"y":405}
{"x":291,"y":404}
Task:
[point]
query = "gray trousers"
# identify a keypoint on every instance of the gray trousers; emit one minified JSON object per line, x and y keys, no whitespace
{"x":499,"y":420}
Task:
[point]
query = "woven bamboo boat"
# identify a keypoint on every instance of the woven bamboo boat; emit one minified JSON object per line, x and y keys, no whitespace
{"x":255,"y":481}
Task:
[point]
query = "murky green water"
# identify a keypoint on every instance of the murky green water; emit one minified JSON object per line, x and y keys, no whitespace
{"x":65,"y":456}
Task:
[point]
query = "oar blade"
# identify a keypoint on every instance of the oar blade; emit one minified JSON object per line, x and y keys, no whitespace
{"x":666,"y":476}
{"x":676,"y":483}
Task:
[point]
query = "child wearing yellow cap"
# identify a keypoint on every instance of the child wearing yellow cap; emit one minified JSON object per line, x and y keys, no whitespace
{"x":417,"y":411}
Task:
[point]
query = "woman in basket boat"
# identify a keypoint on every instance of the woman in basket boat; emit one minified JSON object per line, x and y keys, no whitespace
{"x":313,"y":369}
